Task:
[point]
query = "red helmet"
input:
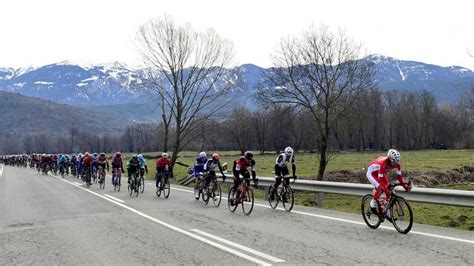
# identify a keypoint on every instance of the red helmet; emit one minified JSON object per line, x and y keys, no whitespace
{"x":216,"y":157}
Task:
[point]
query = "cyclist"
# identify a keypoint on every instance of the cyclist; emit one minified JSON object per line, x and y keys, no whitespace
{"x":133,"y":165}
{"x":240,"y":168}
{"x":143,"y":166}
{"x":54,"y":163}
{"x":102,"y":162}
{"x":199,"y":164}
{"x":161,"y":164}
{"x":87,"y":167}
{"x":377,"y":175}
{"x":43,"y":161}
{"x":62,"y":162}
{"x":211,"y":166}
{"x":117,"y":168}
{"x":80,"y":157}
{"x":94,"y":165}
{"x":281,"y":168}
{"x":73,"y":164}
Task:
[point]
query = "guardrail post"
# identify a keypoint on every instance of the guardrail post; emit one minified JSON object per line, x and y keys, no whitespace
{"x":319,"y":199}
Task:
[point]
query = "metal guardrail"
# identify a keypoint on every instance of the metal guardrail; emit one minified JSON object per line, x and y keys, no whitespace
{"x":427,"y":195}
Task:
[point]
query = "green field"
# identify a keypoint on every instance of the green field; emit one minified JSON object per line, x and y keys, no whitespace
{"x":307,"y":163}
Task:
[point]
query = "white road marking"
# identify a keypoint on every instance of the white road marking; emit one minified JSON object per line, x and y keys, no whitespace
{"x":77,"y":183}
{"x":1,"y":170}
{"x":177,"y":229}
{"x":114,"y":198}
{"x":244,"y":248}
{"x":352,"y":222}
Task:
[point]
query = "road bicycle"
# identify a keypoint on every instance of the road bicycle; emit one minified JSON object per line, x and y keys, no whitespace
{"x":62,"y":170}
{"x":200,"y":184}
{"x":243,"y":195}
{"x":211,"y":191}
{"x":116,"y":178}
{"x":134,"y":184}
{"x":163,"y":184}
{"x":397,"y":210}
{"x":101,"y":177}
{"x":283,"y":193}
{"x":87,"y":176}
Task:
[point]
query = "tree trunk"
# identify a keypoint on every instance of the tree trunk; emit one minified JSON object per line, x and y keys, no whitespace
{"x":322,"y":160}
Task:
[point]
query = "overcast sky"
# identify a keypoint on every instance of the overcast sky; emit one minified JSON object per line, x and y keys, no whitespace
{"x":39,"y":32}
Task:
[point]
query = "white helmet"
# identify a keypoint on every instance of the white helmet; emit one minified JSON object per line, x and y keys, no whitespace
{"x":288,"y":150}
{"x":164,"y":155}
{"x":393,"y":155}
{"x":202,"y":154}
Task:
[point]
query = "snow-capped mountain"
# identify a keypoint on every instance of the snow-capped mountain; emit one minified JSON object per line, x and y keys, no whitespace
{"x":73,"y":84}
{"x":116,"y":83}
{"x":446,"y":83}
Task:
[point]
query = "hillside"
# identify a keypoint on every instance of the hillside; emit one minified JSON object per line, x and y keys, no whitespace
{"x":21,"y":115}
{"x":116,"y":83}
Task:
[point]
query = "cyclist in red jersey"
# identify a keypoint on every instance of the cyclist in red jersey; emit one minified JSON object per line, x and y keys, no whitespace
{"x":377,"y":175}
{"x":240,"y":169}
{"x":161,"y":164}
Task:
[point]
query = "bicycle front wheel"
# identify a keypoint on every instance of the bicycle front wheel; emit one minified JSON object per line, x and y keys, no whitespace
{"x":231,"y":206}
{"x":371,"y":219}
{"x":216,"y":194}
{"x":247,"y":202}
{"x":102,"y":182}
{"x":166,"y":189}
{"x":288,"y":199}
{"x":272,"y":197}
{"x":402,"y":215}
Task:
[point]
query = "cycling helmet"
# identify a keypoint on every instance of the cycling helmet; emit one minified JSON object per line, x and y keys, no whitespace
{"x":135,"y":156}
{"x":80,"y":154}
{"x":202,"y":154}
{"x":95,"y":154}
{"x":248,"y":155}
{"x":102,"y":154}
{"x":164,"y":155}
{"x":393,"y":155}
{"x":140,"y":156}
{"x":86,"y":154}
{"x":118,"y":154}
{"x":289,"y":150}
{"x":216,"y":157}
{"x":73,"y":155}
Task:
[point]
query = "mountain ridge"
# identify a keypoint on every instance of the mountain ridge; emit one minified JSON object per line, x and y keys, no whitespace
{"x":116,"y":82}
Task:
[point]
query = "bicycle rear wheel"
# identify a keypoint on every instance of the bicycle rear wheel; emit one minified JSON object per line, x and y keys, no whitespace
{"x":205,"y":195}
{"x":229,"y":202}
{"x":166,"y":188}
{"x":371,"y":219}
{"x":402,"y":215}
{"x":216,"y":194}
{"x":288,"y":199}
{"x":247,"y":202}
{"x":272,"y":197}
{"x":130,"y":190}
{"x":102,"y":181}
{"x":142,"y":184}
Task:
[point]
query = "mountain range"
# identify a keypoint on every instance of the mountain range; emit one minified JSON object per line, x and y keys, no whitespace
{"x":112,"y":87}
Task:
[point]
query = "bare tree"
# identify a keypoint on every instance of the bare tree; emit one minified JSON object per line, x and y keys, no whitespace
{"x":190,"y":70}
{"x":321,"y":72}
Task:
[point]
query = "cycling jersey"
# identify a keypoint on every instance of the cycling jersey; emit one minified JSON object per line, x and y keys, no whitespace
{"x":142,"y":162}
{"x":199,"y":164}
{"x":377,"y":176}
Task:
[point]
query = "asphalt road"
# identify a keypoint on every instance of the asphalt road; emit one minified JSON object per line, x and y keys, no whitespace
{"x":50,"y":220}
